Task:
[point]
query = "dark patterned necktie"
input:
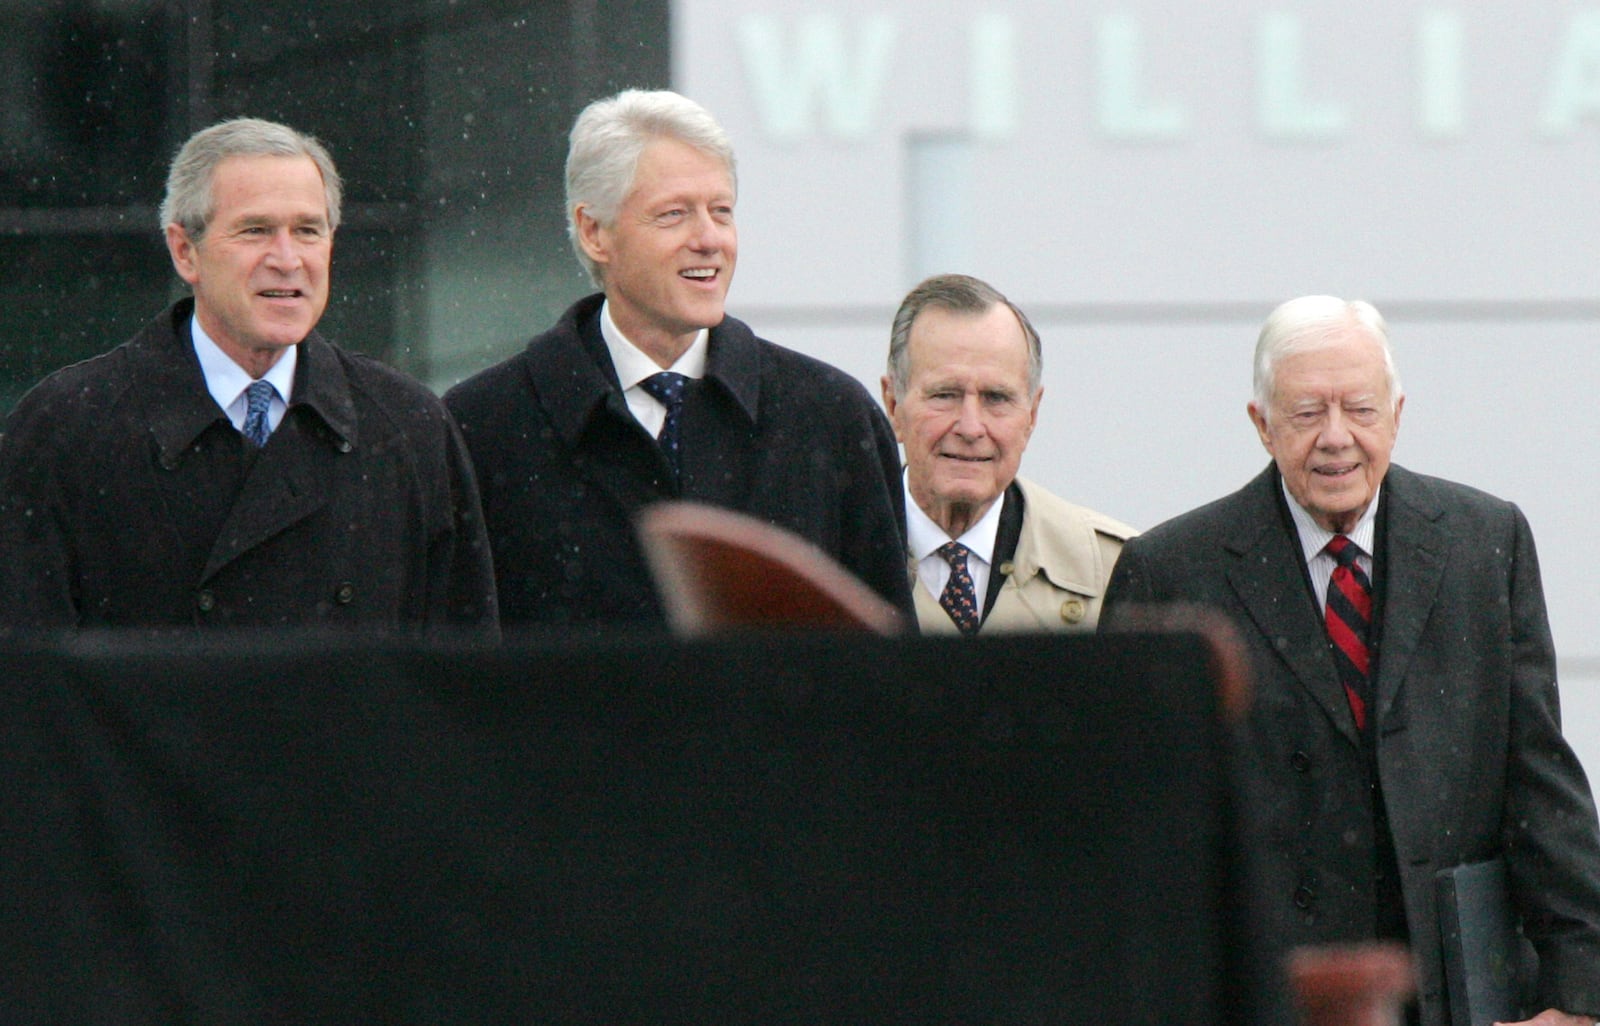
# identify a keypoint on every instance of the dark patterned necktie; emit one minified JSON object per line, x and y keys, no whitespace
{"x":1349,"y":622}
{"x":667,"y":389}
{"x":258,"y":400}
{"x":959,"y":598}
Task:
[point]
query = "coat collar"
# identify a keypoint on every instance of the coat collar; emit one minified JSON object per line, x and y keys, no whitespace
{"x":181,"y":408}
{"x":1268,"y":575}
{"x":1059,"y":542}
{"x":1413,"y":543}
{"x":569,"y":369}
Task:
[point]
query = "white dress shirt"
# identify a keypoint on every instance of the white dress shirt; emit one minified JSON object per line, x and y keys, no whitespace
{"x":633,"y":366}
{"x":1314,"y":539}
{"x":924,"y":537}
{"x":227,"y":381}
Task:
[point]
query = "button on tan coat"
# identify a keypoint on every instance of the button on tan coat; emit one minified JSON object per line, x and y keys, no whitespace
{"x":1057,"y":576}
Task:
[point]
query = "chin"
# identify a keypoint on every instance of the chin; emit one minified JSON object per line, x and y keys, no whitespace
{"x":969,"y":499}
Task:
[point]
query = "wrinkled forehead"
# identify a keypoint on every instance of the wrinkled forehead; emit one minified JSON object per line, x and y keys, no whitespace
{"x":992,"y":337}
{"x":667,"y":159}
{"x":1348,"y":364}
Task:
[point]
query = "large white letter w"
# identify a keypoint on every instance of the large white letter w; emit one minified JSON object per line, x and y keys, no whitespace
{"x":821,"y":68}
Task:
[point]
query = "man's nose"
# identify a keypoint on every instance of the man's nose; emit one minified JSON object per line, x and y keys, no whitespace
{"x":970,"y":422}
{"x":281,"y":249}
{"x":1335,"y":431}
{"x":709,"y":233}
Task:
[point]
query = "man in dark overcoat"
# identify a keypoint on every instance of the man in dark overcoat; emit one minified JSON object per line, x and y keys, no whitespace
{"x":1405,"y":716}
{"x":228,"y":466}
{"x":648,"y":391}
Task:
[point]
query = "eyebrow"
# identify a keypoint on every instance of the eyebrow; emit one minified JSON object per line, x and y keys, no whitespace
{"x":1318,"y":403}
{"x":956,"y":386}
{"x":690,"y":198}
{"x":248,"y":219}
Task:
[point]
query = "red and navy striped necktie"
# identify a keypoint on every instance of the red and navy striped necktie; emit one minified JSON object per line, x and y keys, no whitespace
{"x":1349,"y":621}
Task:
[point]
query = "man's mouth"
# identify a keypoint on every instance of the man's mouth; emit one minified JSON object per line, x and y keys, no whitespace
{"x":280,"y":293}
{"x":1334,"y":469}
{"x":966,"y":459}
{"x":699,"y":273}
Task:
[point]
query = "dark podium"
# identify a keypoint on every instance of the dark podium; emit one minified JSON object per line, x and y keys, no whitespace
{"x":773,"y":828}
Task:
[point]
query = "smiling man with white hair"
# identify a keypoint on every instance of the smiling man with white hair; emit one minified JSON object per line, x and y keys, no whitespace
{"x":1404,"y":719}
{"x":648,"y":391}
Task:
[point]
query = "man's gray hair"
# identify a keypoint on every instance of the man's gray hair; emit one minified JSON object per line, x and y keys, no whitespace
{"x":957,"y":293}
{"x":189,"y":202}
{"x":607,"y":140}
{"x":1308,"y":323}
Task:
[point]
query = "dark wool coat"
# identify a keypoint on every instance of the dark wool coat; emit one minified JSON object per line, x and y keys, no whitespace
{"x":127,"y":499}
{"x":1470,"y":756}
{"x":563,"y":466}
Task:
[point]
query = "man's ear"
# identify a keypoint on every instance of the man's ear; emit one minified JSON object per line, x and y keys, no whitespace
{"x":890,"y":404}
{"x":1259,"y":419}
{"x":182,"y":250}
{"x":591,"y":236}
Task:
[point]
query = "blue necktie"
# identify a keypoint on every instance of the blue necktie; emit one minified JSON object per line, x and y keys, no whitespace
{"x":959,"y":598}
{"x":258,"y":399}
{"x":667,"y":389}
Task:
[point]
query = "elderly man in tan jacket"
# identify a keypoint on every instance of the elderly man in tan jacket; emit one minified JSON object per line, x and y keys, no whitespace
{"x":987,"y":550}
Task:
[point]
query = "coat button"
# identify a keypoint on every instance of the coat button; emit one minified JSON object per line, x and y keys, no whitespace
{"x":1300,"y":761}
{"x":1072,"y":610}
{"x":205,"y":601}
{"x":345,"y":593}
{"x":1303,"y":896}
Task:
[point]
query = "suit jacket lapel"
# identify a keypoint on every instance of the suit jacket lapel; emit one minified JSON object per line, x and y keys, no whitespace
{"x":280,"y":491}
{"x":1414,"y":548}
{"x":289,"y":480}
{"x":571,"y":377}
{"x":1269,"y":578}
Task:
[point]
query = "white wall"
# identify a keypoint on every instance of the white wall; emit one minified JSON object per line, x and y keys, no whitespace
{"x":1149,"y":182}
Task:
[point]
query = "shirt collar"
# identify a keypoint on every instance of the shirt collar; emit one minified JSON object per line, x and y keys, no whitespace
{"x":923,"y":536}
{"x":631,"y":363}
{"x":1314,"y":537}
{"x":226,"y":380}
